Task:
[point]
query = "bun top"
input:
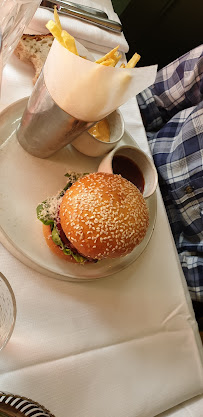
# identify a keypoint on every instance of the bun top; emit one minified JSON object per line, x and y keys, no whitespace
{"x":104,"y":215}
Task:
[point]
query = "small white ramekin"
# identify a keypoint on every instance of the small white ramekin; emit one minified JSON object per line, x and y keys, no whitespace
{"x":91,"y":146}
{"x":143,"y":162}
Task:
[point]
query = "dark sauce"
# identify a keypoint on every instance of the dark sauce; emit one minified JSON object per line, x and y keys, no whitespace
{"x":128,"y":169}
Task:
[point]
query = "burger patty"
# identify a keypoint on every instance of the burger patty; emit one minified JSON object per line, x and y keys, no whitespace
{"x":64,"y":239}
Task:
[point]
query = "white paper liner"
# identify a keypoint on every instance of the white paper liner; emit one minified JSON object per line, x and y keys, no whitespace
{"x":89,"y":91}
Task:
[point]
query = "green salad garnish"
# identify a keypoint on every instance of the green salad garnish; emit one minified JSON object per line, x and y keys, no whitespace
{"x":48,"y":212}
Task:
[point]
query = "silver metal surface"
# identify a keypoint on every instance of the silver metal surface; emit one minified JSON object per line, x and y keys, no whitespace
{"x":62,"y":8}
{"x":45,"y":127}
{"x":75,"y":6}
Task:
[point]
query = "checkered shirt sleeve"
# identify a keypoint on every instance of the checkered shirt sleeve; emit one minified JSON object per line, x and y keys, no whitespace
{"x":172,"y":111}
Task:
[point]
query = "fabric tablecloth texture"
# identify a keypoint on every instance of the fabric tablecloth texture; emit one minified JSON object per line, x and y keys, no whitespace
{"x":123,"y":346}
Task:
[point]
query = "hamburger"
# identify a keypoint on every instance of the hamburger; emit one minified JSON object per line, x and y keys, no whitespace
{"x":99,"y":216}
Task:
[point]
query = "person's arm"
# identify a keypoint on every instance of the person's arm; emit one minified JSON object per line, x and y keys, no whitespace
{"x":178,"y":86}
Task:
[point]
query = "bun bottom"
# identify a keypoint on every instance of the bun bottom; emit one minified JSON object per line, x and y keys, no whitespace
{"x":53,"y":247}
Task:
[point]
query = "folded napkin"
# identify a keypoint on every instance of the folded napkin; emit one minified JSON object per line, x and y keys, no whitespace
{"x":91,"y":36}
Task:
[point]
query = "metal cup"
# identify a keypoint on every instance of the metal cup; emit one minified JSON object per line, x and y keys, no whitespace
{"x":45,"y":127}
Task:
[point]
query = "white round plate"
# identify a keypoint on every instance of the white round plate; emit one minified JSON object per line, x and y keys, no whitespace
{"x":25,"y":182}
{"x":16,"y":406}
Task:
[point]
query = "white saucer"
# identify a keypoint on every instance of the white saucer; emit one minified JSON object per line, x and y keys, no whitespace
{"x":25,"y":182}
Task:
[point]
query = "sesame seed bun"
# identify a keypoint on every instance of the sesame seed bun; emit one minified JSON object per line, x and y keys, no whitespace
{"x":54,"y":248}
{"x":104,"y":216}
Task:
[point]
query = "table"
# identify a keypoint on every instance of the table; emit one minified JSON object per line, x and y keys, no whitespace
{"x":85,"y":349}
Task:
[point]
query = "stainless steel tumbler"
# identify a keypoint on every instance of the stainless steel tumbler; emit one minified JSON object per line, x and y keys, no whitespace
{"x":45,"y":127}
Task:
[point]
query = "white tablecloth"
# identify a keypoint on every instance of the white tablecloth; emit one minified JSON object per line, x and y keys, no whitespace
{"x":123,"y":346}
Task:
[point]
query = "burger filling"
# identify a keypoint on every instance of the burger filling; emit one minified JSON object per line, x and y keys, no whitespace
{"x":48,"y":214}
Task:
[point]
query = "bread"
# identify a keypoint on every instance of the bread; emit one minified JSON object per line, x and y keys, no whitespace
{"x":34,"y":49}
{"x":104,"y":216}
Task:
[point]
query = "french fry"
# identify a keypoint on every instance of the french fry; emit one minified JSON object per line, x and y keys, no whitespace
{"x":69,"y":42}
{"x":133,"y":61}
{"x":111,"y":62}
{"x":56,"y":18}
{"x":108,"y":63}
{"x":54,"y":29}
{"x":63,"y":37}
{"x":113,"y":54}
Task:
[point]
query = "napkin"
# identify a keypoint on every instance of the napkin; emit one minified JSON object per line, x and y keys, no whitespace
{"x":92,"y":37}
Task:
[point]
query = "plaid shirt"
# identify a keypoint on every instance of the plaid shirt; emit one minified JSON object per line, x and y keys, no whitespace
{"x":172,"y":111}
